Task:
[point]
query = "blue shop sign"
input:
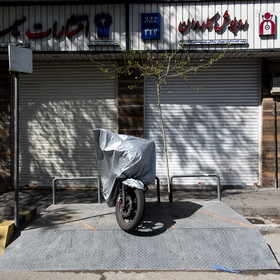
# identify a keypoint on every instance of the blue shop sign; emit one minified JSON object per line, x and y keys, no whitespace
{"x":150,"y":26}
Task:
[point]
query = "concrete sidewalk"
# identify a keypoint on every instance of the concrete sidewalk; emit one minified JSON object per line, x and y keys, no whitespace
{"x":178,"y":236}
{"x":252,"y":201}
{"x":249,"y":201}
{"x":259,"y":205}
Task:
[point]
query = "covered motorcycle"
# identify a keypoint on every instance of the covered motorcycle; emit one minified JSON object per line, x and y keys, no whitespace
{"x":126,"y":165}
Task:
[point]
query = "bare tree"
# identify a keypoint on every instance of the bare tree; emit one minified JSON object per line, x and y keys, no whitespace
{"x":161,"y":66}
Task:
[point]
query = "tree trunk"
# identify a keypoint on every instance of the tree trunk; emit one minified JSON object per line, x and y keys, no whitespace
{"x":164,"y":139}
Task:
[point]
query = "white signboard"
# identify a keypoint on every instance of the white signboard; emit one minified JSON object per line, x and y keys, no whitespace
{"x":267,"y":24}
{"x":20,"y":59}
{"x":212,"y":42}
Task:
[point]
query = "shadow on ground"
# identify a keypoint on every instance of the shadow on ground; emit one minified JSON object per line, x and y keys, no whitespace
{"x":41,"y":199}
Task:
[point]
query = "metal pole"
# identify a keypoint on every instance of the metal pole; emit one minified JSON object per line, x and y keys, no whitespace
{"x":15,"y":131}
{"x":99,"y":189}
{"x":53,"y":191}
{"x":171,"y":190}
{"x":219,"y":187}
{"x":158,"y":189}
{"x":275,"y":143}
{"x":127,"y":27}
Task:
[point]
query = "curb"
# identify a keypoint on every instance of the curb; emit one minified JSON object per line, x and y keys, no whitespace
{"x":7,"y":228}
{"x":6,"y":232}
{"x":268,"y":228}
{"x":256,"y":211}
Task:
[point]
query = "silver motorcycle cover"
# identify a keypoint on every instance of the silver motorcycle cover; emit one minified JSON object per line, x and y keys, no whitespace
{"x":122,"y":156}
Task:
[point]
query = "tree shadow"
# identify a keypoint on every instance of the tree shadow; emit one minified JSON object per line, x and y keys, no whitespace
{"x":41,"y":199}
{"x":56,"y":129}
{"x":217,"y":135}
{"x":159,"y":217}
{"x":55,"y":219}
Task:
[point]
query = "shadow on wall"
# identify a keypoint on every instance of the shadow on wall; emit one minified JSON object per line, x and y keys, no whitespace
{"x":203,"y":147}
{"x":5,"y":142}
{"x":56,"y":123}
{"x":5,"y":98}
{"x":212,"y":131}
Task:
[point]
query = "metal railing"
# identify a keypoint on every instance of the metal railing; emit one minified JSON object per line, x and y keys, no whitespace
{"x":75,"y":178}
{"x":99,"y":185}
{"x":201,"y":175}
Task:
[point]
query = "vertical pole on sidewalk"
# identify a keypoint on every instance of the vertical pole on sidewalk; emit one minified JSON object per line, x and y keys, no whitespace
{"x":20,"y":61}
{"x":275,"y":143}
{"x":15,"y":146}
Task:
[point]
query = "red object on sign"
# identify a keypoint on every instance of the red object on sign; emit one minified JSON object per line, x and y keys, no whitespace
{"x":233,"y":25}
{"x":267,"y":24}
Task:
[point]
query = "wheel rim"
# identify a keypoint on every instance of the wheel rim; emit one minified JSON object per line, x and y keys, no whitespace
{"x":128,"y":213}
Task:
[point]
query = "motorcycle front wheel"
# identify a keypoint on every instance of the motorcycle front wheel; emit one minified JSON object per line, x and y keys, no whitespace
{"x":130,"y":216}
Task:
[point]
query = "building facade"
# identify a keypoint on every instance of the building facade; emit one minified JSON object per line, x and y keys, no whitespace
{"x":222,"y":121}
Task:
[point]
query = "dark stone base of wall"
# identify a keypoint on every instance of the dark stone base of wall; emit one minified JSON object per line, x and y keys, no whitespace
{"x":270,"y":68}
{"x":130,"y":106}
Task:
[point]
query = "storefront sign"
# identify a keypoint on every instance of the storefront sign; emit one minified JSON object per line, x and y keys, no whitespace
{"x":13,"y":28}
{"x":150,"y":26}
{"x":103,"y":43}
{"x":53,"y":28}
{"x":212,"y":42}
{"x":74,"y":24}
{"x":232,"y":25}
{"x":22,"y":45}
{"x":267,"y":24}
{"x":103,"y":22}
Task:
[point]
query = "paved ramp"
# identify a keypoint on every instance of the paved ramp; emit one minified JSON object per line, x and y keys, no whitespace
{"x":177,"y":236}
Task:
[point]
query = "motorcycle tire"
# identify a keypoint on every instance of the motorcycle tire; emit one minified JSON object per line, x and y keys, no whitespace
{"x":129,"y":218}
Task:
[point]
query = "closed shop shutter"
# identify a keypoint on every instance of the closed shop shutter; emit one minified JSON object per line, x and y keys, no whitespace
{"x":211,"y":122}
{"x":60,"y":104}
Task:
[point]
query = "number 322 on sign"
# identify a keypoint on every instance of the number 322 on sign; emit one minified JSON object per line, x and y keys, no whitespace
{"x":150,"y":26}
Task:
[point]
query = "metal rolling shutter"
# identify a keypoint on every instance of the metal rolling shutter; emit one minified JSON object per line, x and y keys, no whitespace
{"x":214,"y":130}
{"x":60,"y":104}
